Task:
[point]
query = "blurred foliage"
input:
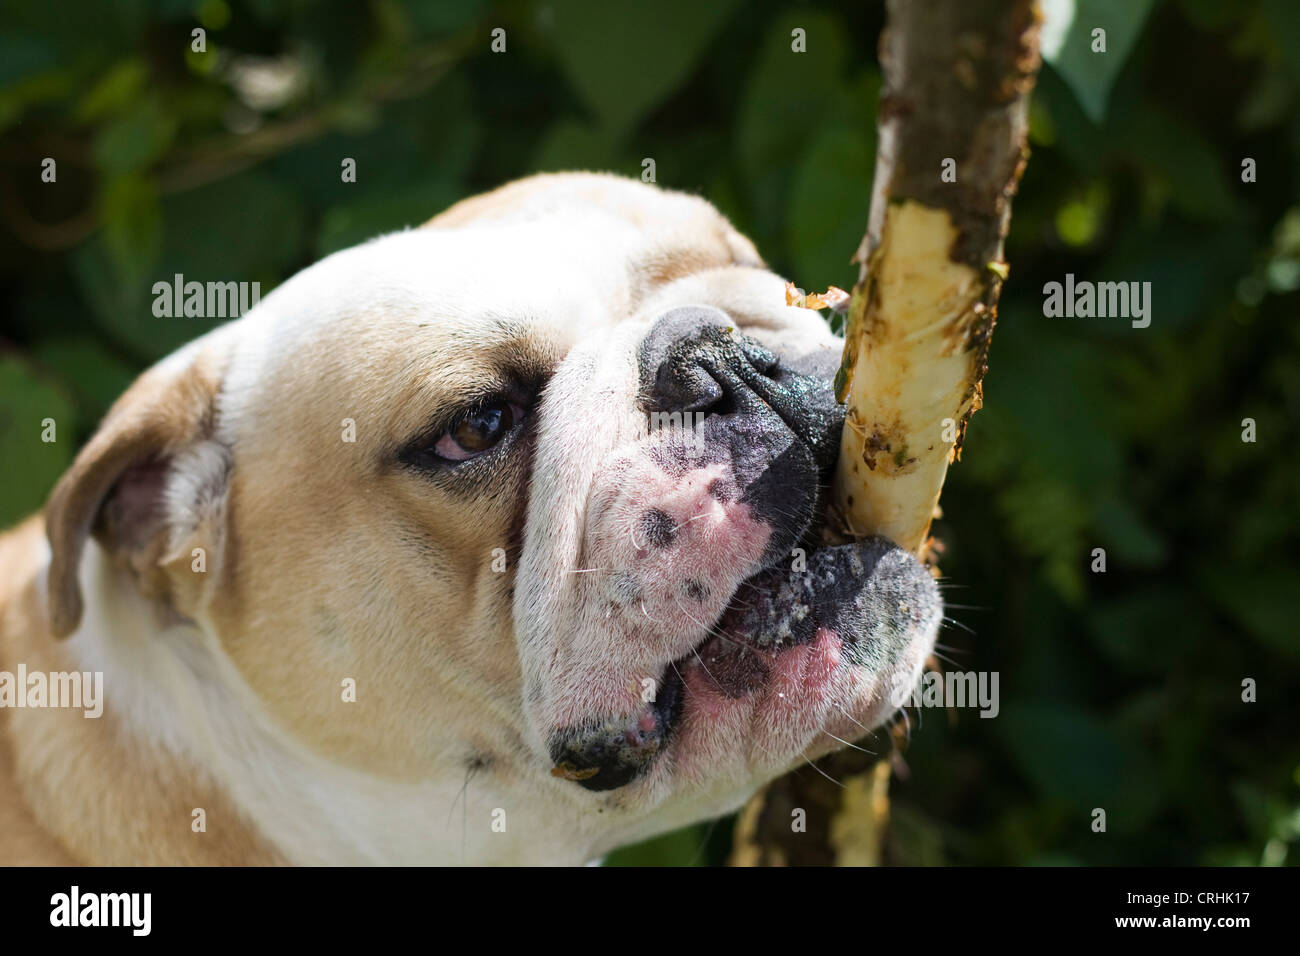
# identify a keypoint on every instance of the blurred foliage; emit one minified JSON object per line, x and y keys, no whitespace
{"x":1120,"y":690}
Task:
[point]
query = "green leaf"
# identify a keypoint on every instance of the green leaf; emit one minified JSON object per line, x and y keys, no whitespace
{"x":1127,"y":534}
{"x":30,"y":466}
{"x":16,"y":98}
{"x":95,"y":376}
{"x":685,"y":847}
{"x":1141,"y":632}
{"x":348,"y":224}
{"x":444,"y":16}
{"x":132,"y":224}
{"x":1068,"y":41}
{"x":433,"y":138}
{"x":1212,"y":15}
{"x":247,"y":227}
{"x":1259,"y":600}
{"x":824,"y":224}
{"x":577,"y":145}
{"x":113,"y":92}
{"x":1068,"y":754}
{"x":22,"y":54}
{"x":1177,"y":158}
{"x":788,"y":97}
{"x":1283,"y":18}
{"x":626,"y":58}
{"x":134,"y":140}
{"x":244,"y":229}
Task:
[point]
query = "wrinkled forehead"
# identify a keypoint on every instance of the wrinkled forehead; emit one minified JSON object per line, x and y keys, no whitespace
{"x":507,"y":281}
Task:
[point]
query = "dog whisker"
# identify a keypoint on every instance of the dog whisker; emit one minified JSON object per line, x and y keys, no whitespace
{"x":956,"y":623}
{"x":848,"y":744}
{"x":804,"y":754}
{"x":852,"y":718}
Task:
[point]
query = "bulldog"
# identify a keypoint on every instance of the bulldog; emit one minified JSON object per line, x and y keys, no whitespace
{"x":496,"y":540}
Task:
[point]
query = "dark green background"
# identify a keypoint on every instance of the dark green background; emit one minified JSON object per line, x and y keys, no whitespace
{"x":1119,"y":690}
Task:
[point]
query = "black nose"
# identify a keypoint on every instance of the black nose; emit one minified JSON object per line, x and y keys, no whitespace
{"x":695,"y":360}
{"x":776,"y":430}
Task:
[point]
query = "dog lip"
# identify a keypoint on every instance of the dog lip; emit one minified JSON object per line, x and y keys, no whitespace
{"x":865,"y":595}
{"x":670,"y":698}
{"x":863,"y":592}
{"x":610,"y":754}
{"x":735,"y":669}
{"x":777,"y":608}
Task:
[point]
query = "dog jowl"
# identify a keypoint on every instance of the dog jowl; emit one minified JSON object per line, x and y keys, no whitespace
{"x":428,"y":478}
{"x":704,"y":546}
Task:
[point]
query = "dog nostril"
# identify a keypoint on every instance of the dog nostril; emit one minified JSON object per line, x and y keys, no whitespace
{"x":690,"y":361}
{"x":658,"y":528}
{"x":763,"y":361}
{"x":726,"y":405}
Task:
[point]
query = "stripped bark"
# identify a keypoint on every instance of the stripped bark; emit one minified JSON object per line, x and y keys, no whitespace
{"x":957,"y":78}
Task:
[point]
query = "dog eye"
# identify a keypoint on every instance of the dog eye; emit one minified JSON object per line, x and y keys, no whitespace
{"x":478,"y":431}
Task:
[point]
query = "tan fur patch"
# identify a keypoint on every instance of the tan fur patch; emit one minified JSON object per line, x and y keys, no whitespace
{"x":329,"y":559}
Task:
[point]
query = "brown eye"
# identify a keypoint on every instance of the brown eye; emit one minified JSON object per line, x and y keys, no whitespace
{"x":478,"y":431}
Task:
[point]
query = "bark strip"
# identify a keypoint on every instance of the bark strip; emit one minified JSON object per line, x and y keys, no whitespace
{"x":957,"y":78}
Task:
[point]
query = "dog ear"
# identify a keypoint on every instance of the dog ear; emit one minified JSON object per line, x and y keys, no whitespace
{"x":151,"y":480}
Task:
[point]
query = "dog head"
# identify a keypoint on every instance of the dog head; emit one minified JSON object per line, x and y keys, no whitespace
{"x":544,"y":481}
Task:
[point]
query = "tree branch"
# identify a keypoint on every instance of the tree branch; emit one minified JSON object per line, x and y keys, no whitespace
{"x":952,"y":147}
{"x":953,"y":123}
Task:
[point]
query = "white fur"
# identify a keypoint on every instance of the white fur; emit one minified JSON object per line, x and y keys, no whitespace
{"x":177,"y":688}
